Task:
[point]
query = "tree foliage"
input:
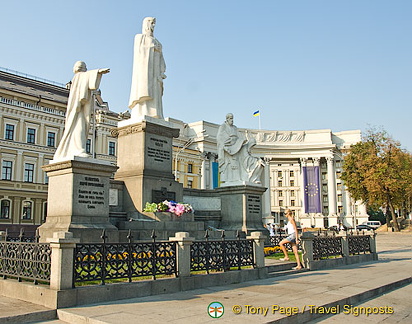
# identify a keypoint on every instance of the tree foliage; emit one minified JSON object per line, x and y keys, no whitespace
{"x":377,"y":171}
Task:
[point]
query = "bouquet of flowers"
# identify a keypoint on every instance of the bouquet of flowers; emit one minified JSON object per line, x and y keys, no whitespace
{"x":169,"y":206}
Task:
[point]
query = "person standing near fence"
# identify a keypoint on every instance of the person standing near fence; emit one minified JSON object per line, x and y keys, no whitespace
{"x":292,"y":239}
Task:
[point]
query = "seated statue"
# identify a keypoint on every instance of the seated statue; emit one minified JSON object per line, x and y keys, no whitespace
{"x":236,"y":164}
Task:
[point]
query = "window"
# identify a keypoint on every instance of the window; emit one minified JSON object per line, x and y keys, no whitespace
{"x":5,"y":209}
{"x":292,"y":183}
{"x":279,"y":174}
{"x":338,"y":174}
{"x":280,"y":183}
{"x":339,"y":198}
{"x":339,"y":186}
{"x":325,"y":198}
{"x":291,"y":174}
{"x":9,"y":132}
{"x":340,"y":209}
{"x":323,"y":175}
{"x":51,"y":139}
{"x":27,"y":209}
{"x":338,"y":164}
{"x":31,"y":135}
{"x":280,"y":193}
{"x":292,"y":203}
{"x":189,"y":183}
{"x":280,"y":202}
{"x":28,"y":172}
{"x":6,"y":170}
{"x":112,"y":148}
{"x":88,"y":145}
{"x":292,"y":193}
{"x":190,"y":168}
{"x":325,"y":188}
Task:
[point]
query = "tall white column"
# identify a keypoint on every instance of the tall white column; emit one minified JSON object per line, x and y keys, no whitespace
{"x":40,"y":172}
{"x":303,"y":163}
{"x":266,"y":210}
{"x":347,"y":200}
{"x":203,"y":173}
{"x":18,"y":169}
{"x":331,"y":185}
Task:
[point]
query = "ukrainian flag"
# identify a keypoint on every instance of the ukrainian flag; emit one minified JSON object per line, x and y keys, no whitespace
{"x":256,"y":113}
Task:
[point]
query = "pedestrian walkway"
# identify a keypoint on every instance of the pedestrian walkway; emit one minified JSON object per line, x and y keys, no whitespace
{"x":293,"y":298}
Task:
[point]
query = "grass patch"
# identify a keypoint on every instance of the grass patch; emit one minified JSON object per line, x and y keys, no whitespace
{"x":280,"y":255}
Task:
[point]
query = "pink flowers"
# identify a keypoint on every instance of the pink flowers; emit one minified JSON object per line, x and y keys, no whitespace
{"x":169,"y":206}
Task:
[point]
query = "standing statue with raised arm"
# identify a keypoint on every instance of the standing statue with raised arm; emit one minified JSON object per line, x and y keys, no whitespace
{"x":79,"y":110}
{"x":148,"y":74}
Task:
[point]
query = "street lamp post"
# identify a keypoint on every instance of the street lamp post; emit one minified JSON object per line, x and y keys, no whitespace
{"x":185,"y":146}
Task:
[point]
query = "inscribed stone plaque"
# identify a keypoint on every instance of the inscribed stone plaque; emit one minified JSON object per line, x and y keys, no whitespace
{"x":158,"y":152}
{"x":253,"y":204}
{"x":162,"y":194}
{"x":113,"y":197}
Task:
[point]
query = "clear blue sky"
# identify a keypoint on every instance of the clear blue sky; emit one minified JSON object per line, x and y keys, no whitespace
{"x":306,"y":64}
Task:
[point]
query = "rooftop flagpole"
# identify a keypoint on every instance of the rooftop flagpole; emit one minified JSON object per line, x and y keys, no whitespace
{"x":257,"y":113}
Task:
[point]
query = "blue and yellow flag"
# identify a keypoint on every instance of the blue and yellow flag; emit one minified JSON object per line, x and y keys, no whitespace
{"x":256,"y":113}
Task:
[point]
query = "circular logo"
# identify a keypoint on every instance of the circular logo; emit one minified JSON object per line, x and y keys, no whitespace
{"x":311,"y":189}
{"x":215,"y":310}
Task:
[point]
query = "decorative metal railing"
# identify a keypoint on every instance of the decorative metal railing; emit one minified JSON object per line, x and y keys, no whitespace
{"x":275,"y":240}
{"x":104,"y":261}
{"x":326,"y":247}
{"x":359,"y":244}
{"x":21,"y":237}
{"x":221,"y":255}
{"x":21,"y":260}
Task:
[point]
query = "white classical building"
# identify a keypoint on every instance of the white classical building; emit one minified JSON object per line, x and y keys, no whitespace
{"x":302,"y":171}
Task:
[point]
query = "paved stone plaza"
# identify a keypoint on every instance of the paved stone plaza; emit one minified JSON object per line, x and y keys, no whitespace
{"x":381,"y":286}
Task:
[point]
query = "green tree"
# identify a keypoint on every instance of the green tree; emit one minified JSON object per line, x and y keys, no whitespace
{"x":378,"y":172}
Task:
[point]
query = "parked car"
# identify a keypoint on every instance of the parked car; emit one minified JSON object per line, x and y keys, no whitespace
{"x":373,"y":224}
{"x":364,"y":227}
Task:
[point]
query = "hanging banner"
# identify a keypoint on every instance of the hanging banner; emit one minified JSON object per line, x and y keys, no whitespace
{"x":312,"y":189}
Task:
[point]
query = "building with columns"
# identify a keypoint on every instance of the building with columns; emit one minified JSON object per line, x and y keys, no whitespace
{"x":302,"y":171}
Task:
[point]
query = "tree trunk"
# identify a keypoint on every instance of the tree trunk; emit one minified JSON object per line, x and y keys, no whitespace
{"x":394,"y":218}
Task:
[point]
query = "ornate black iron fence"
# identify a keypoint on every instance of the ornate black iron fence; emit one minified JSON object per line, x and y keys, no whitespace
{"x":221,"y":255}
{"x":359,"y":244}
{"x":275,"y":240}
{"x":326,"y":247}
{"x":22,"y":260}
{"x":21,"y":236}
{"x":109,"y":261}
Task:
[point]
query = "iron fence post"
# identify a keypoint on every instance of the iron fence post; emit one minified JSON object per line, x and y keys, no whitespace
{"x":307,"y":246}
{"x":345,"y":244}
{"x":258,"y":246}
{"x":183,"y":260}
{"x":62,"y":245}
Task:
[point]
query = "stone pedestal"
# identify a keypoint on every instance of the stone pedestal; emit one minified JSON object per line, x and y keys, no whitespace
{"x":78,"y":199}
{"x":145,"y":156}
{"x":242,"y":208}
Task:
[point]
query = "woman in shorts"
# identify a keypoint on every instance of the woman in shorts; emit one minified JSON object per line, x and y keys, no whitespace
{"x":292,"y":239}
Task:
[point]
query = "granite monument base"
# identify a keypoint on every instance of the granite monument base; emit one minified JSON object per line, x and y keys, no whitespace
{"x":78,"y":199}
{"x":242,"y":208}
{"x":145,"y":156}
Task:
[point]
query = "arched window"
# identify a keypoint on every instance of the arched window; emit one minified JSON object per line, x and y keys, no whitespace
{"x":27,"y":209}
{"x":5,"y":209}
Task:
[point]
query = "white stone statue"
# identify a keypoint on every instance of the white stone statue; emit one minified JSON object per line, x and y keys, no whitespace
{"x":148,"y":73}
{"x":79,"y":109}
{"x":236,"y":164}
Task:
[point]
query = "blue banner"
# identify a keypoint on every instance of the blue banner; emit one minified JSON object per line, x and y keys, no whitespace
{"x":215,"y":173}
{"x":312,"y":189}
